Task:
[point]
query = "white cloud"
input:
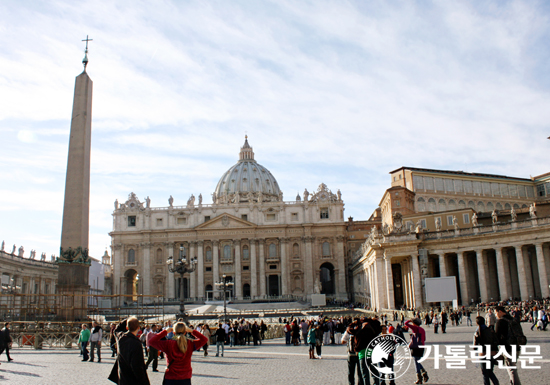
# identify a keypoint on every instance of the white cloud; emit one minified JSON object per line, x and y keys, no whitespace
{"x":334,"y":92}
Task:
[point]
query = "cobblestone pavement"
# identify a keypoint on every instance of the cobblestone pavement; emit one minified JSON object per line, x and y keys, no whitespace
{"x":271,"y":363}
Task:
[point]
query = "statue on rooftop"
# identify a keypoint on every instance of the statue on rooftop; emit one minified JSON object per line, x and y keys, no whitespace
{"x":474,"y":220}
{"x":513,"y":214}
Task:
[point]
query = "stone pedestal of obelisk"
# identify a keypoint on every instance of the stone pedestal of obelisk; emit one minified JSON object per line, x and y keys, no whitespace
{"x":73,"y":259}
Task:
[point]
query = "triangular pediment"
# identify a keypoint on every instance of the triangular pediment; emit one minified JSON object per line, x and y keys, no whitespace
{"x":225,"y":221}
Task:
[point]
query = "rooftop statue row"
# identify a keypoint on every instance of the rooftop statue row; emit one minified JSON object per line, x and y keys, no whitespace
{"x":21,"y":252}
{"x":323,"y":194}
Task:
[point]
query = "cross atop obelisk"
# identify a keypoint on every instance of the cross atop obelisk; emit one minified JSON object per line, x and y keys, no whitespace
{"x":85,"y":60}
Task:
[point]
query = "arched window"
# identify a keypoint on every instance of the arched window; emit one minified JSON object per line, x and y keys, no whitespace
{"x":159,"y":256}
{"x":208,"y":253}
{"x":471,"y":205}
{"x":227,"y":252}
{"x":461,"y":204}
{"x":452,"y":204}
{"x":442,"y":205}
{"x":431,"y":204}
{"x":507,"y":206}
{"x":131,"y":256}
{"x":421,"y":204}
{"x":273,"y":251}
{"x":326,"y":249}
{"x":296,"y":250}
{"x":480,"y":206}
{"x":246,"y":252}
{"x":499,"y":206}
{"x":516,"y":206}
{"x":490,"y":206}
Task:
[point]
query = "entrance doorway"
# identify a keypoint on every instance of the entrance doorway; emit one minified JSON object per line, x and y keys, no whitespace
{"x":273,"y":285}
{"x":327,"y":278}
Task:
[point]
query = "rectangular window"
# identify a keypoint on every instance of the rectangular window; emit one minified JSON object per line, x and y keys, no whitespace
{"x":206,"y":218}
{"x":324,"y":213}
{"x":132,"y":221}
{"x":458,"y":185}
{"x":182,"y":221}
{"x":530,"y":191}
{"x":522,"y":192}
{"x":428,"y":183}
{"x":418,"y":183}
{"x":398,"y":203}
{"x":465,"y":218}
{"x":513,"y":190}
{"x":245,"y":268}
{"x":159,"y":222}
{"x":439,"y":184}
{"x":449,"y":185}
{"x":272,"y":267}
{"x":449,"y":220}
{"x":294,"y":216}
{"x":244,"y":217}
{"x":208,"y":268}
{"x":270,"y":217}
{"x":423,"y":223}
{"x":504,"y":189}
{"x":540,"y":190}
{"x":477,"y":187}
{"x":495,"y":189}
{"x":468,"y":187}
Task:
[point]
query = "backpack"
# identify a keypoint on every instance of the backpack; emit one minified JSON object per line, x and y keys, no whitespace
{"x":515,"y":333}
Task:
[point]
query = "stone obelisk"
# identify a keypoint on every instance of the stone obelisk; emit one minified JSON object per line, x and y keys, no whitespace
{"x":73,"y":258}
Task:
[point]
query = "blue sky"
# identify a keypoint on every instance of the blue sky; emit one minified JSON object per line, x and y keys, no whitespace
{"x":340,"y":92}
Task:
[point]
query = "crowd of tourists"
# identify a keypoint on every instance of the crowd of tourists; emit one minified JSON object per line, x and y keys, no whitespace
{"x":498,"y":330}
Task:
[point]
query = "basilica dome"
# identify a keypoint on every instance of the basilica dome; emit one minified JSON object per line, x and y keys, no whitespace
{"x":247,"y":180}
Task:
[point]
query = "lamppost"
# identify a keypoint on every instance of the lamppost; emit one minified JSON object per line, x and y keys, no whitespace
{"x":181,"y":267}
{"x":224,"y":284}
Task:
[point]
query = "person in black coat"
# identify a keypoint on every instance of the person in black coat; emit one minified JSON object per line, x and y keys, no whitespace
{"x":129,"y":368}
{"x":5,"y":340}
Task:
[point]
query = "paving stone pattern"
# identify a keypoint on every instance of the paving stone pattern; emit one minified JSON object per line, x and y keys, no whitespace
{"x":272,"y":363}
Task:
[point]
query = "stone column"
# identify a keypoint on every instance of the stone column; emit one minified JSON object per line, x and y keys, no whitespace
{"x":482,"y":275}
{"x":238,"y":269}
{"x":253,"y":269}
{"x":146,"y":268}
{"x":465,"y":294}
{"x":543,"y":275}
{"x":524,"y":292}
{"x":502,"y":278}
{"x":216,"y":267}
{"x":192,"y":276}
{"x":308,"y":266}
{"x":284,"y":266}
{"x":342,"y":268}
{"x":442,"y":265}
{"x":171,"y":278}
{"x":528,"y":275}
{"x":200,"y":269}
{"x":389,"y":283}
{"x":407,"y":282}
{"x":118,"y":267}
{"x":261,"y":246}
{"x":416,"y":282}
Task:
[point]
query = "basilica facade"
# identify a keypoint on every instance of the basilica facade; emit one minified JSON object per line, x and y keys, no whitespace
{"x":266,"y":246}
